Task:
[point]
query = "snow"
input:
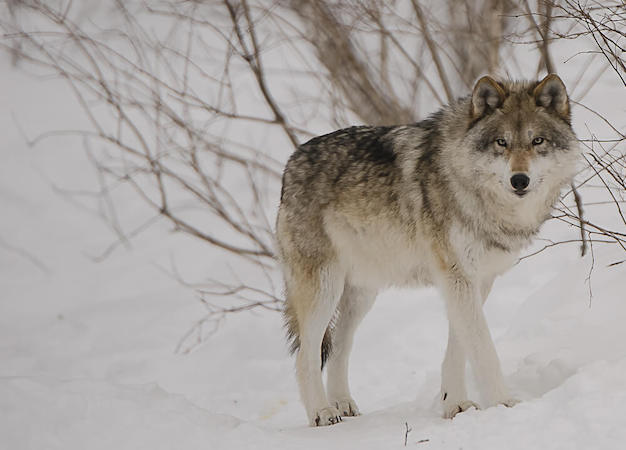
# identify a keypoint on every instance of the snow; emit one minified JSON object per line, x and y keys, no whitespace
{"x":87,"y":349}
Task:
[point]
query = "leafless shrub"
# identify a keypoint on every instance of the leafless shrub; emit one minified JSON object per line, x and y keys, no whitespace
{"x":179,"y":94}
{"x":477,"y":28}
{"x":604,"y":22}
{"x":162,"y":139}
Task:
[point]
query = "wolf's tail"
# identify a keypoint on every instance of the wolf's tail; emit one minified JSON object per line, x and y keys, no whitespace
{"x":293,"y":334}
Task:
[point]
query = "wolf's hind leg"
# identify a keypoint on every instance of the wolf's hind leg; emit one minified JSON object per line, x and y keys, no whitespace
{"x":354,"y":304}
{"x":317,"y":301}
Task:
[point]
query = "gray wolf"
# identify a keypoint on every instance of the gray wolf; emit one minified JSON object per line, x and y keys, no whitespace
{"x":449,"y":201}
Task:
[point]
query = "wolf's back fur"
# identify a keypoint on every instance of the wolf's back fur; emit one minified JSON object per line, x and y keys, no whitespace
{"x":370,"y":207}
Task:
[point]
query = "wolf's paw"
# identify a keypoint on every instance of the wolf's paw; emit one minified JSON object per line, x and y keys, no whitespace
{"x":509,"y":402}
{"x":347,"y":407}
{"x":449,"y":411}
{"x":326,"y":416}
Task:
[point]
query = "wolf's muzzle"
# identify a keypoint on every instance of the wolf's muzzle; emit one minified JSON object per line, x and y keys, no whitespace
{"x":520,"y":182}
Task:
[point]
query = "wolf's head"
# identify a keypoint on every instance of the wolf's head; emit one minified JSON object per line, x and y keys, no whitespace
{"x":519,"y":140}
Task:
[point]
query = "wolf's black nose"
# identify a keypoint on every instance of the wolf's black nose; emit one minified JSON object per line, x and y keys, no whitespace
{"x":520,"y":181}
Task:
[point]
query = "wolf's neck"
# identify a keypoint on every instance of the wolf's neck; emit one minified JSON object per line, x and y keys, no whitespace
{"x":510,"y":222}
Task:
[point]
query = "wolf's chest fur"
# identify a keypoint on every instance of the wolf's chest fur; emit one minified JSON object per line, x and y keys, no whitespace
{"x":381,"y":253}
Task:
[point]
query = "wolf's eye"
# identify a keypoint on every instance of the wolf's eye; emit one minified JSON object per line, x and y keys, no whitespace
{"x":501,"y":142}
{"x":538,"y":141}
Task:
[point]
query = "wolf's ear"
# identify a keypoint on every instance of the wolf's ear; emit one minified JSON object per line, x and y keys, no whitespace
{"x":551,"y":94}
{"x":486,"y":97}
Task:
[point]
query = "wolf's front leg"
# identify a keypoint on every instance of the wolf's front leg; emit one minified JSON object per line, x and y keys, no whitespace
{"x":453,"y":392}
{"x":467,"y":320}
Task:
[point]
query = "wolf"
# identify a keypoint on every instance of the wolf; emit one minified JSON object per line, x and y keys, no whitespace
{"x":449,"y":201}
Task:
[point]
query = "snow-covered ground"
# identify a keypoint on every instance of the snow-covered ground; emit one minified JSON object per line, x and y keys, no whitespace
{"x":87,"y":349}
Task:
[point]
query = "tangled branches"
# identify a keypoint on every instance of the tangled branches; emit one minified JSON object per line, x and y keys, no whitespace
{"x":194,"y":106}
